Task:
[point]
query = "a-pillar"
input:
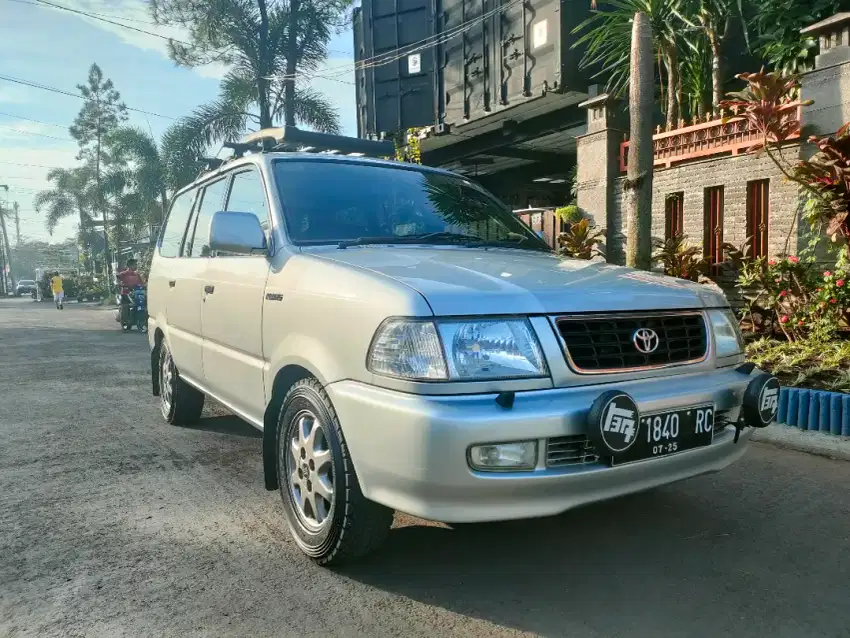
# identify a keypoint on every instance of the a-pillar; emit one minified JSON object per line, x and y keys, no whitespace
{"x":598,"y":160}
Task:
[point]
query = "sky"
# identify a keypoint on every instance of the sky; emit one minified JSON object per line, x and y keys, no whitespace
{"x":55,"y":48}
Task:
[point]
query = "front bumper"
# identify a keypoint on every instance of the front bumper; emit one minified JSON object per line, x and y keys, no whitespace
{"x":410,"y":451}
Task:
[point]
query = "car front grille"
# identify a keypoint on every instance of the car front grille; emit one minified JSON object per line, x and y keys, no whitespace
{"x":569,"y":450}
{"x":606,"y":343}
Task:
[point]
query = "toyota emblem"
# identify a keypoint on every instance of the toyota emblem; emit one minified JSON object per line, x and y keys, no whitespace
{"x":645,"y":340}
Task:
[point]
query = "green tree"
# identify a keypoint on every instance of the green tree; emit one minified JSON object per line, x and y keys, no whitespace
{"x":714,"y":20}
{"x":266,"y":44}
{"x":102,"y":112}
{"x":777,"y":24}
{"x":71,"y":195}
{"x":607,"y":35}
{"x":142,"y":171}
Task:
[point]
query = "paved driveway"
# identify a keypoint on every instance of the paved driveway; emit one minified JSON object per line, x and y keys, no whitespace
{"x":114,"y":523}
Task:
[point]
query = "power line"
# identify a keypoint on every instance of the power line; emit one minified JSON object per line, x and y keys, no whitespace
{"x":52,"y":137}
{"x":31,"y":165}
{"x":21,"y":117}
{"x":53,"y":89}
{"x":102,"y":15}
{"x":95,"y":16}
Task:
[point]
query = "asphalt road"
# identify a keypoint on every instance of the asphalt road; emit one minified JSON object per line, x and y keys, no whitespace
{"x":113,"y":523}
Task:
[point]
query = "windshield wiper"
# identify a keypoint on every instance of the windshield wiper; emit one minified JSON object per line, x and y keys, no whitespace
{"x":424,"y":238}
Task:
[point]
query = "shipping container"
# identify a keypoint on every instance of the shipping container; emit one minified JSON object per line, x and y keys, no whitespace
{"x":396,"y":61}
{"x":483,"y":57}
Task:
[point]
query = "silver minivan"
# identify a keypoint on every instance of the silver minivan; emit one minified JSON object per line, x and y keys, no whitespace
{"x":405,"y":343}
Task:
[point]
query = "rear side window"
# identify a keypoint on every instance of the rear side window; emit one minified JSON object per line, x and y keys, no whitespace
{"x":175,"y":227}
{"x":210,"y":204}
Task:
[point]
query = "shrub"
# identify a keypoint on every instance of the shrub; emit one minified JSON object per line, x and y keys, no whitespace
{"x":582,"y":241}
{"x":569,"y":214}
{"x":679,"y":258}
{"x":822,"y":364}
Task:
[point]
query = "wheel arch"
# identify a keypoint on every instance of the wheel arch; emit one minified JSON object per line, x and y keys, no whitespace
{"x":158,"y":336}
{"x":285,"y":378}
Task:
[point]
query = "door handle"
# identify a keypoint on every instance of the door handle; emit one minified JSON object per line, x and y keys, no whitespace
{"x":209,"y":289}
{"x":172,"y":283}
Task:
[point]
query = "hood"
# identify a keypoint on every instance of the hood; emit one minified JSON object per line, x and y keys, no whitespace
{"x":477,"y":281}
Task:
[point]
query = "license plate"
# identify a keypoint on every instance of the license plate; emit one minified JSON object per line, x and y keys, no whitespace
{"x":670,"y":432}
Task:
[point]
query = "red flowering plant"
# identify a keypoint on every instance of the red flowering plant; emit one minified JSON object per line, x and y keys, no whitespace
{"x":790,"y":295}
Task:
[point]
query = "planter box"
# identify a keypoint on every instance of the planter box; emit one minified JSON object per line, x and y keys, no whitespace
{"x":815,"y":410}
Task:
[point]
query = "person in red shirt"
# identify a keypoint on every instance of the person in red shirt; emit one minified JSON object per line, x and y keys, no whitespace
{"x":129,"y":278}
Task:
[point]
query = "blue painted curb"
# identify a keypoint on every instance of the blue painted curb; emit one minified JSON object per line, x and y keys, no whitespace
{"x":815,"y":410}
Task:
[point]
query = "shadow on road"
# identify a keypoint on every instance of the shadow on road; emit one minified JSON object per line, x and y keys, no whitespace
{"x":226,"y":424}
{"x":664,"y":560}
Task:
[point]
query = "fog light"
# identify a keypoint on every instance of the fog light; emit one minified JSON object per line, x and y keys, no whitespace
{"x":521,"y":455}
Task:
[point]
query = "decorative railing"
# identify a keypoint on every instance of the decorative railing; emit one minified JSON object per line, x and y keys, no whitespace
{"x":700,"y":140}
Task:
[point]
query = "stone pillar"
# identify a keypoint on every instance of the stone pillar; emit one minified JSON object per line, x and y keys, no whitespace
{"x":828,"y":85}
{"x":598,"y":161}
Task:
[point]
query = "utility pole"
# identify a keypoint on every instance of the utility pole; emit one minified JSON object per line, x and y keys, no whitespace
{"x":6,"y":240}
{"x":17,"y":225}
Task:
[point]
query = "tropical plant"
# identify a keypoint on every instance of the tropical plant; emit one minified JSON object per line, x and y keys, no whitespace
{"x":679,"y":258}
{"x":70,"y":196}
{"x":715,"y":20}
{"x":267,"y":45}
{"x":828,"y":173}
{"x":696,"y":79}
{"x":137,"y":157}
{"x":582,"y":241}
{"x":606,"y":37}
{"x":778,"y":24}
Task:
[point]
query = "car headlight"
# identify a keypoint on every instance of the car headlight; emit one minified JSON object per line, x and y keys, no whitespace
{"x":727,"y":335}
{"x":457,"y":350}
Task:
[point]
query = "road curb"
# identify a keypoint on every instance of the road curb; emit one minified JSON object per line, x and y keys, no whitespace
{"x":811,"y":442}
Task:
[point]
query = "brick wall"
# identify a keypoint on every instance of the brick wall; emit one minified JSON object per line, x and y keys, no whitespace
{"x":732,"y":173}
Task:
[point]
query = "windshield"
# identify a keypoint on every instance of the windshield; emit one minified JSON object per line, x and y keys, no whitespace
{"x":25,"y":282}
{"x":331,"y":201}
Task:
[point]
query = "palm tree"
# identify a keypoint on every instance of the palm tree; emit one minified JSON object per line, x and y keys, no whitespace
{"x":143,"y":172}
{"x":71,"y":195}
{"x":266,"y":44}
{"x":638,"y":185}
{"x":607,"y":36}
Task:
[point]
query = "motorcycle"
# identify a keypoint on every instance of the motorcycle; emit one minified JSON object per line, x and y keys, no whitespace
{"x":133,"y":309}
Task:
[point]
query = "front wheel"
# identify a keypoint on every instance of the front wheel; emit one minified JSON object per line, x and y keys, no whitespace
{"x":180,"y":403}
{"x":329,"y":517}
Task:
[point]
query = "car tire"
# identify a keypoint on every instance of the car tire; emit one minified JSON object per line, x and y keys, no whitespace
{"x":180,"y":403}
{"x":330,"y":519}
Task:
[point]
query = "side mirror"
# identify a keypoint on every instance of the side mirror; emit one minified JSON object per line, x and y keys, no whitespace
{"x":237,"y":233}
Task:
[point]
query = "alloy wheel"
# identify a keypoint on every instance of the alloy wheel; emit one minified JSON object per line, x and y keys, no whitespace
{"x":166,"y":382}
{"x":309,"y":468}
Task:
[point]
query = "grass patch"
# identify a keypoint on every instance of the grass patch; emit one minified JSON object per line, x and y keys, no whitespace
{"x":808,"y":363}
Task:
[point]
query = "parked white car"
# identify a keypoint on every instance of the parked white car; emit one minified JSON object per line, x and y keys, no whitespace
{"x":405,"y":343}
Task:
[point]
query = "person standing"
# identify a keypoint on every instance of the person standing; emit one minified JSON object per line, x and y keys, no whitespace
{"x":58,"y":290}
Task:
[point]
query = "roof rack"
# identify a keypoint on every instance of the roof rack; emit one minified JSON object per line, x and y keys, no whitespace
{"x":290,"y":138}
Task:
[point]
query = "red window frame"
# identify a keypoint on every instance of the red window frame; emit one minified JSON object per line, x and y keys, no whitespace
{"x":714,"y":199}
{"x":674,"y":214}
{"x":758,"y":216}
